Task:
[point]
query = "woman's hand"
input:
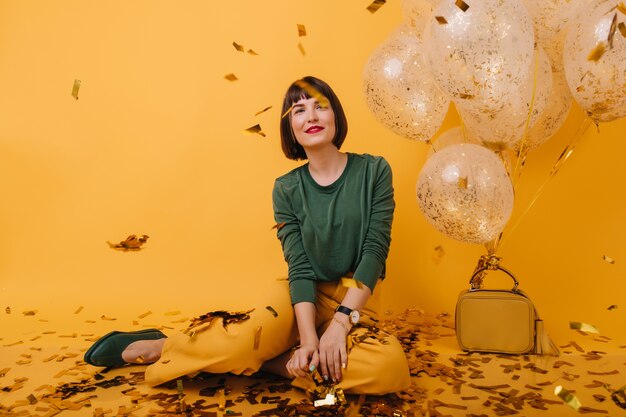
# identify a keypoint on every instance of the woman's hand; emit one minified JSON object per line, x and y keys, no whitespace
{"x":305,"y":359}
{"x":333,"y":356}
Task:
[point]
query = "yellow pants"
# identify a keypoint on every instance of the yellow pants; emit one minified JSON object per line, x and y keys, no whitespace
{"x":374,"y":366}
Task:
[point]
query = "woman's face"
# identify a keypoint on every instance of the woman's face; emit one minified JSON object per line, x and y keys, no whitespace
{"x":313,"y":124}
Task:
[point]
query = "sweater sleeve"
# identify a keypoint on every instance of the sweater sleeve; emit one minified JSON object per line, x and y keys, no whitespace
{"x":378,"y":236}
{"x":301,"y":275}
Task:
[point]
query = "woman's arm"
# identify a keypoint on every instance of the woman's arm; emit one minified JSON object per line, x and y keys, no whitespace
{"x":333,"y":355}
{"x":306,"y":357}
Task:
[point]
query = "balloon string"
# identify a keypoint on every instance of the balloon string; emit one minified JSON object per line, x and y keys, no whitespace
{"x":567,"y":152}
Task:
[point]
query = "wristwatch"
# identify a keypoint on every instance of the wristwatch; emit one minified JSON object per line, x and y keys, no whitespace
{"x":353,"y":314}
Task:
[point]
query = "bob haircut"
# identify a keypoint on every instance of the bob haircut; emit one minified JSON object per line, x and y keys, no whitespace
{"x":296,"y":91}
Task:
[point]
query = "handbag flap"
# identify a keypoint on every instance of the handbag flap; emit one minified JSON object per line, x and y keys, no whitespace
{"x":495,"y":321}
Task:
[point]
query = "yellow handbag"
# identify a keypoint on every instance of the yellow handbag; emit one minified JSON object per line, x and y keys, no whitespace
{"x":500,"y":321}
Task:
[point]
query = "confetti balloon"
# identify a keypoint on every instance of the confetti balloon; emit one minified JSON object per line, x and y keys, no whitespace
{"x":555,"y":113}
{"x":504,"y":127}
{"x":595,"y":60}
{"x":400,"y":91}
{"x":416,"y":13}
{"x":480,"y":50}
{"x":465,"y":193}
{"x":550,"y":21}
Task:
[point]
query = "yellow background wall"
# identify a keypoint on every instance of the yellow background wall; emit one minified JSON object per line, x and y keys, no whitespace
{"x":154,"y":145}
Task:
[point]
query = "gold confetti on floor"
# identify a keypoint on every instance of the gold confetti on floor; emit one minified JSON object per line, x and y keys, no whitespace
{"x":44,"y":378}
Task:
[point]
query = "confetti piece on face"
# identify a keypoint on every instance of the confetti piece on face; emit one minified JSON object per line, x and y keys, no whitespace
{"x":238,"y":47}
{"x":608,"y":259}
{"x":461,"y":5}
{"x":585,"y":327}
{"x":255,"y":129}
{"x":351,"y":283}
{"x":79,"y":309}
{"x":262,"y":111}
{"x":376,"y":4}
{"x":271,"y":310}
{"x":257,"y":337}
{"x":301,"y":30}
{"x":462,"y":183}
{"x":231,"y":77}
{"x":286,"y":112}
{"x":278,"y":226}
{"x":621,"y":7}
{"x":567,"y":397}
{"x":597,"y":52}
{"x":301,"y":48}
{"x":313,"y":92}
{"x":622,"y":28}
{"x":75,"y":89}
{"x":441,"y":20}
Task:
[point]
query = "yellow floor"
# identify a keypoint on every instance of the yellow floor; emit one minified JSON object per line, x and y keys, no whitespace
{"x":42,"y":374}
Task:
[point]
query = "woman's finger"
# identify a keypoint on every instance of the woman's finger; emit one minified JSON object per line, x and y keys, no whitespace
{"x":315,"y":361}
{"x":337,"y":365}
{"x":324,"y":365}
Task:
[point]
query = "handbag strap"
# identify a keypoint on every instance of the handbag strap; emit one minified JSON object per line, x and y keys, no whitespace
{"x":497,"y":267}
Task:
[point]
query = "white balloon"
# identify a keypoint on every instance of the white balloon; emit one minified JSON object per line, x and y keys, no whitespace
{"x":400,"y":91}
{"x":483,"y":54}
{"x":465,"y":192}
{"x":504,"y":127}
{"x":551,"y":119}
{"x":599,"y":85}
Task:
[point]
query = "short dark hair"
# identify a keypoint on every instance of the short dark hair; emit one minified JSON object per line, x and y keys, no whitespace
{"x":296,"y":91}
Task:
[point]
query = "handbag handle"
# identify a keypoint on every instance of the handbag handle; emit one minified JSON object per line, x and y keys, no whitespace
{"x":501,"y":268}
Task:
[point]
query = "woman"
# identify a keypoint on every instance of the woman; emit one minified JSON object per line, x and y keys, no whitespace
{"x":334,"y":219}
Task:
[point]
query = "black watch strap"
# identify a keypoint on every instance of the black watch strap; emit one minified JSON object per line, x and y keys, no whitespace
{"x":343,"y":309}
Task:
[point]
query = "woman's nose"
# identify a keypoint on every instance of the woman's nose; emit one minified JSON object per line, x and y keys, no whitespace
{"x":312,"y":115}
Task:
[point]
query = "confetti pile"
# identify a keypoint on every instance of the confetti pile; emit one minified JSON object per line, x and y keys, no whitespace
{"x":44,"y":375}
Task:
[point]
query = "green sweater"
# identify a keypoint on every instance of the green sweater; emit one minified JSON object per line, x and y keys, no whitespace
{"x":330,"y":231}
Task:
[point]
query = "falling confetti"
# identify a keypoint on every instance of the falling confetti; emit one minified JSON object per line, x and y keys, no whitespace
{"x":131,"y":243}
{"x":278,"y":226}
{"x":238,"y":47}
{"x":461,"y":5}
{"x":585,"y":327}
{"x":262,"y":111}
{"x":301,"y":30}
{"x":271,"y":310}
{"x":255,"y":129}
{"x":439,"y":253}
{"x":301,"y":48}
{"x":462,"y":183}
{"x":441,"y":20}
{"x":612,"y":307}
{"x":621,"y":7}
{"x":257,"y":337}
{"x":608,"y":259}
{"x":231,"y":77}
{"x":376,"y":4}
{"x":622,"y":29}
{"x":75,"y":89}
{"x":251,"y":52}
{"x":79,"y":309}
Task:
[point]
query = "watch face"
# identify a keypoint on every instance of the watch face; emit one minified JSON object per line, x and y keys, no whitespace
{"x":354,"y":316}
